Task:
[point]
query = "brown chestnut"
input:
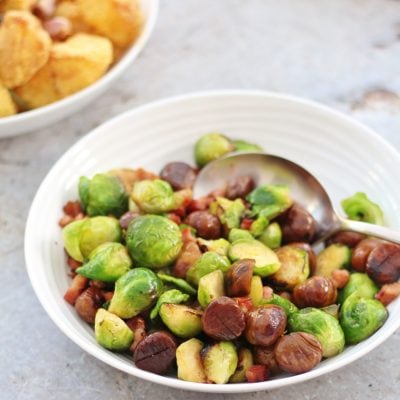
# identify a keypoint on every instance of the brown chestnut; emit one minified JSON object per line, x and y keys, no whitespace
{"x":179,"y":175}
{"x":383,"y":263}
{"x":347,"y":238}
{"x":361,"y":253}
{"x":316,"y":291}
{"x":240,"y":186}
{"x":238,"y":278}
{"x":264,"y":355}
{"x":207,"y":225}
{"x":88,"y":303}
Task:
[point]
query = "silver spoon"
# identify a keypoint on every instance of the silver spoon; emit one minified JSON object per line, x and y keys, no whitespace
{"x":305,"y":188}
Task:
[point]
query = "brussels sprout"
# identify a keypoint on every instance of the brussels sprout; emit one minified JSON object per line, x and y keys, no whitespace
{"x":270,"y":200}
{"x":229,"y":212}
{"x":361,"y":284}
{"x":172,"y":296}
{"x":272,"y":236}
{"x":132,"y":206}
{"x":71,"y":234}
{"x":220,"y":362}
{"x":211,"y":286}
{"x":153,"y":241}
{"x":242,"y":145}
{"x":258,"y":226}
{"x":361,"y":317}
{"x":103,"y":195}
{"x":322,"y":325}
{"x":210,"y":147}
{"x":335,"y":256}
{"x":96,"y":231}
{"x":360,"y":208}
{"x":256,"y":290}
{"x":244,"y":362}
{"x":266,"y":260}
{"x":111,"y":331}
{"x":181,"y":320}
{"x":207,"y":263}
{"x":107,"y":263}
{"x":180,"y":283}
{"x":219,"y":246}
{"x":294,"y":268}
{"x":236,"y":234}
{"x":286,"y":304}
{"x":332,"y":309}
{"x":188,"y":360}
{"x":134,"y":292}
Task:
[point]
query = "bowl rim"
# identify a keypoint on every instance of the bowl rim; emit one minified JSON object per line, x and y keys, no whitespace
{"x":29,"y":249}
{"x":110,"y":75}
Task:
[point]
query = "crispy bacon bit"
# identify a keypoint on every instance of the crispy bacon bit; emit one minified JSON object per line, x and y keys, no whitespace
{"x":98,"y":284}
{"x":388,"y":293}
{"x":189,"y":255}
{"x":78,"y":285}
{"x":73,"y":208}
{"x":174,"y":217}
{"x":246,"y":223}
{"x":257,"y":373}
{"x":107,"y":295}
{"x":65,"y":220}
{"x":73,"y":264}
{"x":138,"y":327}
{"x":187,"y":236}
{"x":244,"y":303}
{"x":340,"y":277}
{"x":267,"y":292}
{"x":200,"y":204}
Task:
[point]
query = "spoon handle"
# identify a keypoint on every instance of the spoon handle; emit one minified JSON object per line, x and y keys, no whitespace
{"x":370,"y":229}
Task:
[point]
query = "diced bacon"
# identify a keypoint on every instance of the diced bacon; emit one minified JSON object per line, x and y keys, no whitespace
{"x":340,"y":277}
{"x":78,"y":285}
{"x":246,"y":223}
{"x":244,"y":303}
{"x":388,"y":293}
{"x":138,"y":327}
{"x":73,"y":264}
{"x":257,"y":373}
{"x":73,"y":208}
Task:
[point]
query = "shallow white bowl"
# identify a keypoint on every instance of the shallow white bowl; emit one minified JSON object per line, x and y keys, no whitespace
{"x":345,"y":155}
{"x":43,"y":116}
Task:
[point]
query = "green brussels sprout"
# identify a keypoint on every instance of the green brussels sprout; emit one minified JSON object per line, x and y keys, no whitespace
{"x":153,"y":241}
{"x":219,"y":246}
{"x":266,"y":261}
{"x":270,"y":200}
{"x":256,"y":290}
{"x":335,"y":256}
{"x":211,"y":286}
{"x":236,"y":234}
{"x":134,"y":292}
{"x":280,"y":301}
{"x":172,"y":296}
{"x":155,"y":196}
{"x":322,"y":325}
{"x":181,"y":320}
{"x":294,"y":269}
{"x":207,"y":263}
{"x":96,"y":231}
{"x":111,"y":331}
{"x":210,"y":147}
{"x":272,"y":236}
{"x":71,"y":234}
{"x":220,"y":362}
{"x":360,"y":208}
{"x":103,"y":195}
{"x":132,"y":206}
{"x":361,"y":317}
{"x":188,"y":360}
{"x":258,"y":226}
{"x":332,"y":309}
{"x":242,"y":145}
{"x":361,"y":284}
{"x":229,"y":212}
{"x":245,"y":361}
{"x":107,"y":263}
{"x":180,"y":283}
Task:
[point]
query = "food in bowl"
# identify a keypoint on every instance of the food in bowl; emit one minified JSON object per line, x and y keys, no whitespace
{"x":66,"y":47}
{"x":227,"y":286}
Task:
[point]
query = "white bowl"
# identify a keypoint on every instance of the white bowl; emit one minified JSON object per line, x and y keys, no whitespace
{"x":345,"y":155}
{"x":40,"y":117}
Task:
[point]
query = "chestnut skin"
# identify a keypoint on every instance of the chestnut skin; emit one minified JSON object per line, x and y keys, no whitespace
{"x":347,"y":238}
{"x":264,"y":355}
{"x":383,"y":263}
{"x":179,"y":175}
{"x":361,"y":252}
{"x":265,"y":324}
{"x":298,"y":352}
{"x":240,"y":186}
{"x":207,"y":225}
{"x":238,"y":278}
{"x":316,"y":291}
{"x":88,"y":303}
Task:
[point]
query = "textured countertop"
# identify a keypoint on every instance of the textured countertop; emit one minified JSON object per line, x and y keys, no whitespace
{"x":343,"y":53}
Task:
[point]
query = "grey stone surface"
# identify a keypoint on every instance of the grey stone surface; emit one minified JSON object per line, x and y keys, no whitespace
{"x":344,"y":53}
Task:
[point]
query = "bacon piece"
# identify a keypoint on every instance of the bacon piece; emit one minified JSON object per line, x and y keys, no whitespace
{"x":340,"y":277}
{"x":138,"y":326}
{"x":388,"y":293}
{"x":78,"y":285}
{"x":72,"y":208}
{"x":189,"y":255}
{"x":257,"y":373}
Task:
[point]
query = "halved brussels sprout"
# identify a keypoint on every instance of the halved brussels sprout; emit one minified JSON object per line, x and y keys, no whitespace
{"x":256,"y":290}
{"x":286,"y":304}
{"x":360,"y":208}
{"x":322,"y":325}
{"x":335,"y":256}
{"x":153,"y":241}
{"x":207,"y":263}
{"x":103,"y":195}
{"x":272,"y":236}
{"x":243,"y":145}
{"x":220,"y":362}
{"x":211,"y":286}
{"x":210,"y":147}
{"x":172,"y":296}
{"x":245,"y":361}
{"x":361,"y":284}
{"x":134,"y":292}
{"x":228,"y":211}
{"x":181,"y":320}
{"x":111,"y":331}
{"x":96,"y":231}
{"x":180,"y":283}
{"x":219,"y":246}
{"x":188,"y":360}
{"x":361,"y":317}
{"x":71,"y":234}
{"x":266,"y":260}
{"x":258,"y":226}
{"x":270,"y":200}
{"x":236,"y":234}
{"x":107,"y":263}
